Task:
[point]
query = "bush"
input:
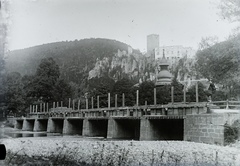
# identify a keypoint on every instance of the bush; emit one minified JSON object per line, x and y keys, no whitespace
{"x":230,"y":134}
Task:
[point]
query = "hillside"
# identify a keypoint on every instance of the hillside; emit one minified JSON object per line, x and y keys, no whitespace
{"x":82,"y":60}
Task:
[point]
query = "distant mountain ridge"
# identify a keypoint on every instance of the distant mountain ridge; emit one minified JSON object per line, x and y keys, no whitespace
{"x":82,"y":60}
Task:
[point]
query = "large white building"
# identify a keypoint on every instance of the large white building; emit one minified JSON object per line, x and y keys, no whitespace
{"x":174,"y":52}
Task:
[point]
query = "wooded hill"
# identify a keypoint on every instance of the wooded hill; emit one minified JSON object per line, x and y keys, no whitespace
{"x":75,"y":58}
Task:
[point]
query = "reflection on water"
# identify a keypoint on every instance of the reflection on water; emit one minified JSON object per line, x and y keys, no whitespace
{"x":17,"y":135}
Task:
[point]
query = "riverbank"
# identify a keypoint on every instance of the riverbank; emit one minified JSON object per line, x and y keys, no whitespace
{"x":78,"y":150}
{"x":58,"y":150}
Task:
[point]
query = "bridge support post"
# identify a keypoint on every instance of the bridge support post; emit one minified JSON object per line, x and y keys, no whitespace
{"x":73,"y":104}
{"x":94,"y":128}
{"x":40,"y":109}
{"x":172,"y":94}
{"x":184,"y":94}
{"x":86,"y":126}
{"x":97,"y":101}
{"x":109,"y":102}
{"x":112,"y":132}
{"x":115,"y":100}
{"x":197,"y":92}
{"x":50,"y":128}
{"x":78,"y":105}
{"x":92,"y":103}
{"x":40,"y":125}
{"x":155,"y":96}
{"x":145,"y":130}
{"x":69,"y":103}
{"x":18,"y":124}
{"x":55,"y":126}
{"x":33,"y":109}
{"x":86,"y":103}
{"x":44,"y":107}
{"x":28,"y":125}
{"x":137,"y":97}
{"x":72,"y":126}
{"x":123,"y":100}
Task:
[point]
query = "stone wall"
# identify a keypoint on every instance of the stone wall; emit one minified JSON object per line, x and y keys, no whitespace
{"x":207,"y":128}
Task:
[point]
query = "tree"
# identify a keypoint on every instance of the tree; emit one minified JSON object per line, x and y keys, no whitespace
{"x":207,"y":42}
{"x":14,"y":95}
{"x":164,"y":94}
{"x":42,"y":85}
{"x":220,"y":63}
{"x":125,"y":86}
{"x":62,"y":91}
{"x":202,"y":94}
{"x":100,"y":87}
{"x":230,"y":9}
{"x":178,"y":90}
{"x":146,"y":92}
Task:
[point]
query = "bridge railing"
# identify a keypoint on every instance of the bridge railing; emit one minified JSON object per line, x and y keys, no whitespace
{"x":175,"y":109}
{"x":226,"y":104}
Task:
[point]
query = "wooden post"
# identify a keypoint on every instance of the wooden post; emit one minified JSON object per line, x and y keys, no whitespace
{"x":53,"y":104}
{"x":78,"y":105}
{"x":123,"y":100}
{"x":57,"y":104}
{"x":86,"y":103}
{"x":73,"y":104}
{"x":137,"y":97}
{"x":36,"y":108}
{"x":30,"y":109}
{"x":197,"y":92}
{"x":61,"y":103}
{"x":172,"y":94}
{"x":109,"y":100}
{"x":145,"y":103}
{"x":115,"y":100}
{"x":44,"y":107}
{"x":184,"y":94}
{"x":47,"y":107}
{"x":40,"y":107}
{"x":155,"y":96}
{"x":33,"y":109}
{"x":92,"y":102}
{"x":69,"y":103}
{"x":97,"y":101}
{"x":227,"y":103}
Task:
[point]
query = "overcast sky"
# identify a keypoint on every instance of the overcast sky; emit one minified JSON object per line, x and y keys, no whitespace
{"x":178,"y":22}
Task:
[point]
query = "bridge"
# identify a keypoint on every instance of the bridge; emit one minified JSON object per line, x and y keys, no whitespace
{"x":196,"y":121}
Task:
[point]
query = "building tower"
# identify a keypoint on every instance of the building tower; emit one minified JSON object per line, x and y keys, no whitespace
{"x":164,"y":77}
{"x":152,"y":44}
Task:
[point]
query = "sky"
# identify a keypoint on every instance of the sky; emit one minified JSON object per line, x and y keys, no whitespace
{"x":177,"y":22}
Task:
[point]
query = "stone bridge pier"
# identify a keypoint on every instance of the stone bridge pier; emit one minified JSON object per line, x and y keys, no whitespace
{"x":18,"y":124}
{"x":95,"y":127}
{"x":55,"y":125}
{"x":28,"y":124}
{"x":40,"y":124}
{"x":161,"y":129}
{"x":73,"y":126}
{"x":124,"y":128}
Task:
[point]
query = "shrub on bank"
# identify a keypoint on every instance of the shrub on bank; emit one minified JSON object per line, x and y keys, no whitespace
{"x":231,"y":133}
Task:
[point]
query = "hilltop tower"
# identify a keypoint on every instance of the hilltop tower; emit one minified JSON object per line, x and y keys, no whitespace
{"x":152,"y":44}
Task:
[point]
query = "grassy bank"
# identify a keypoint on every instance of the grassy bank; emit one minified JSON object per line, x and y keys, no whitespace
{"x":72,"y":152}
